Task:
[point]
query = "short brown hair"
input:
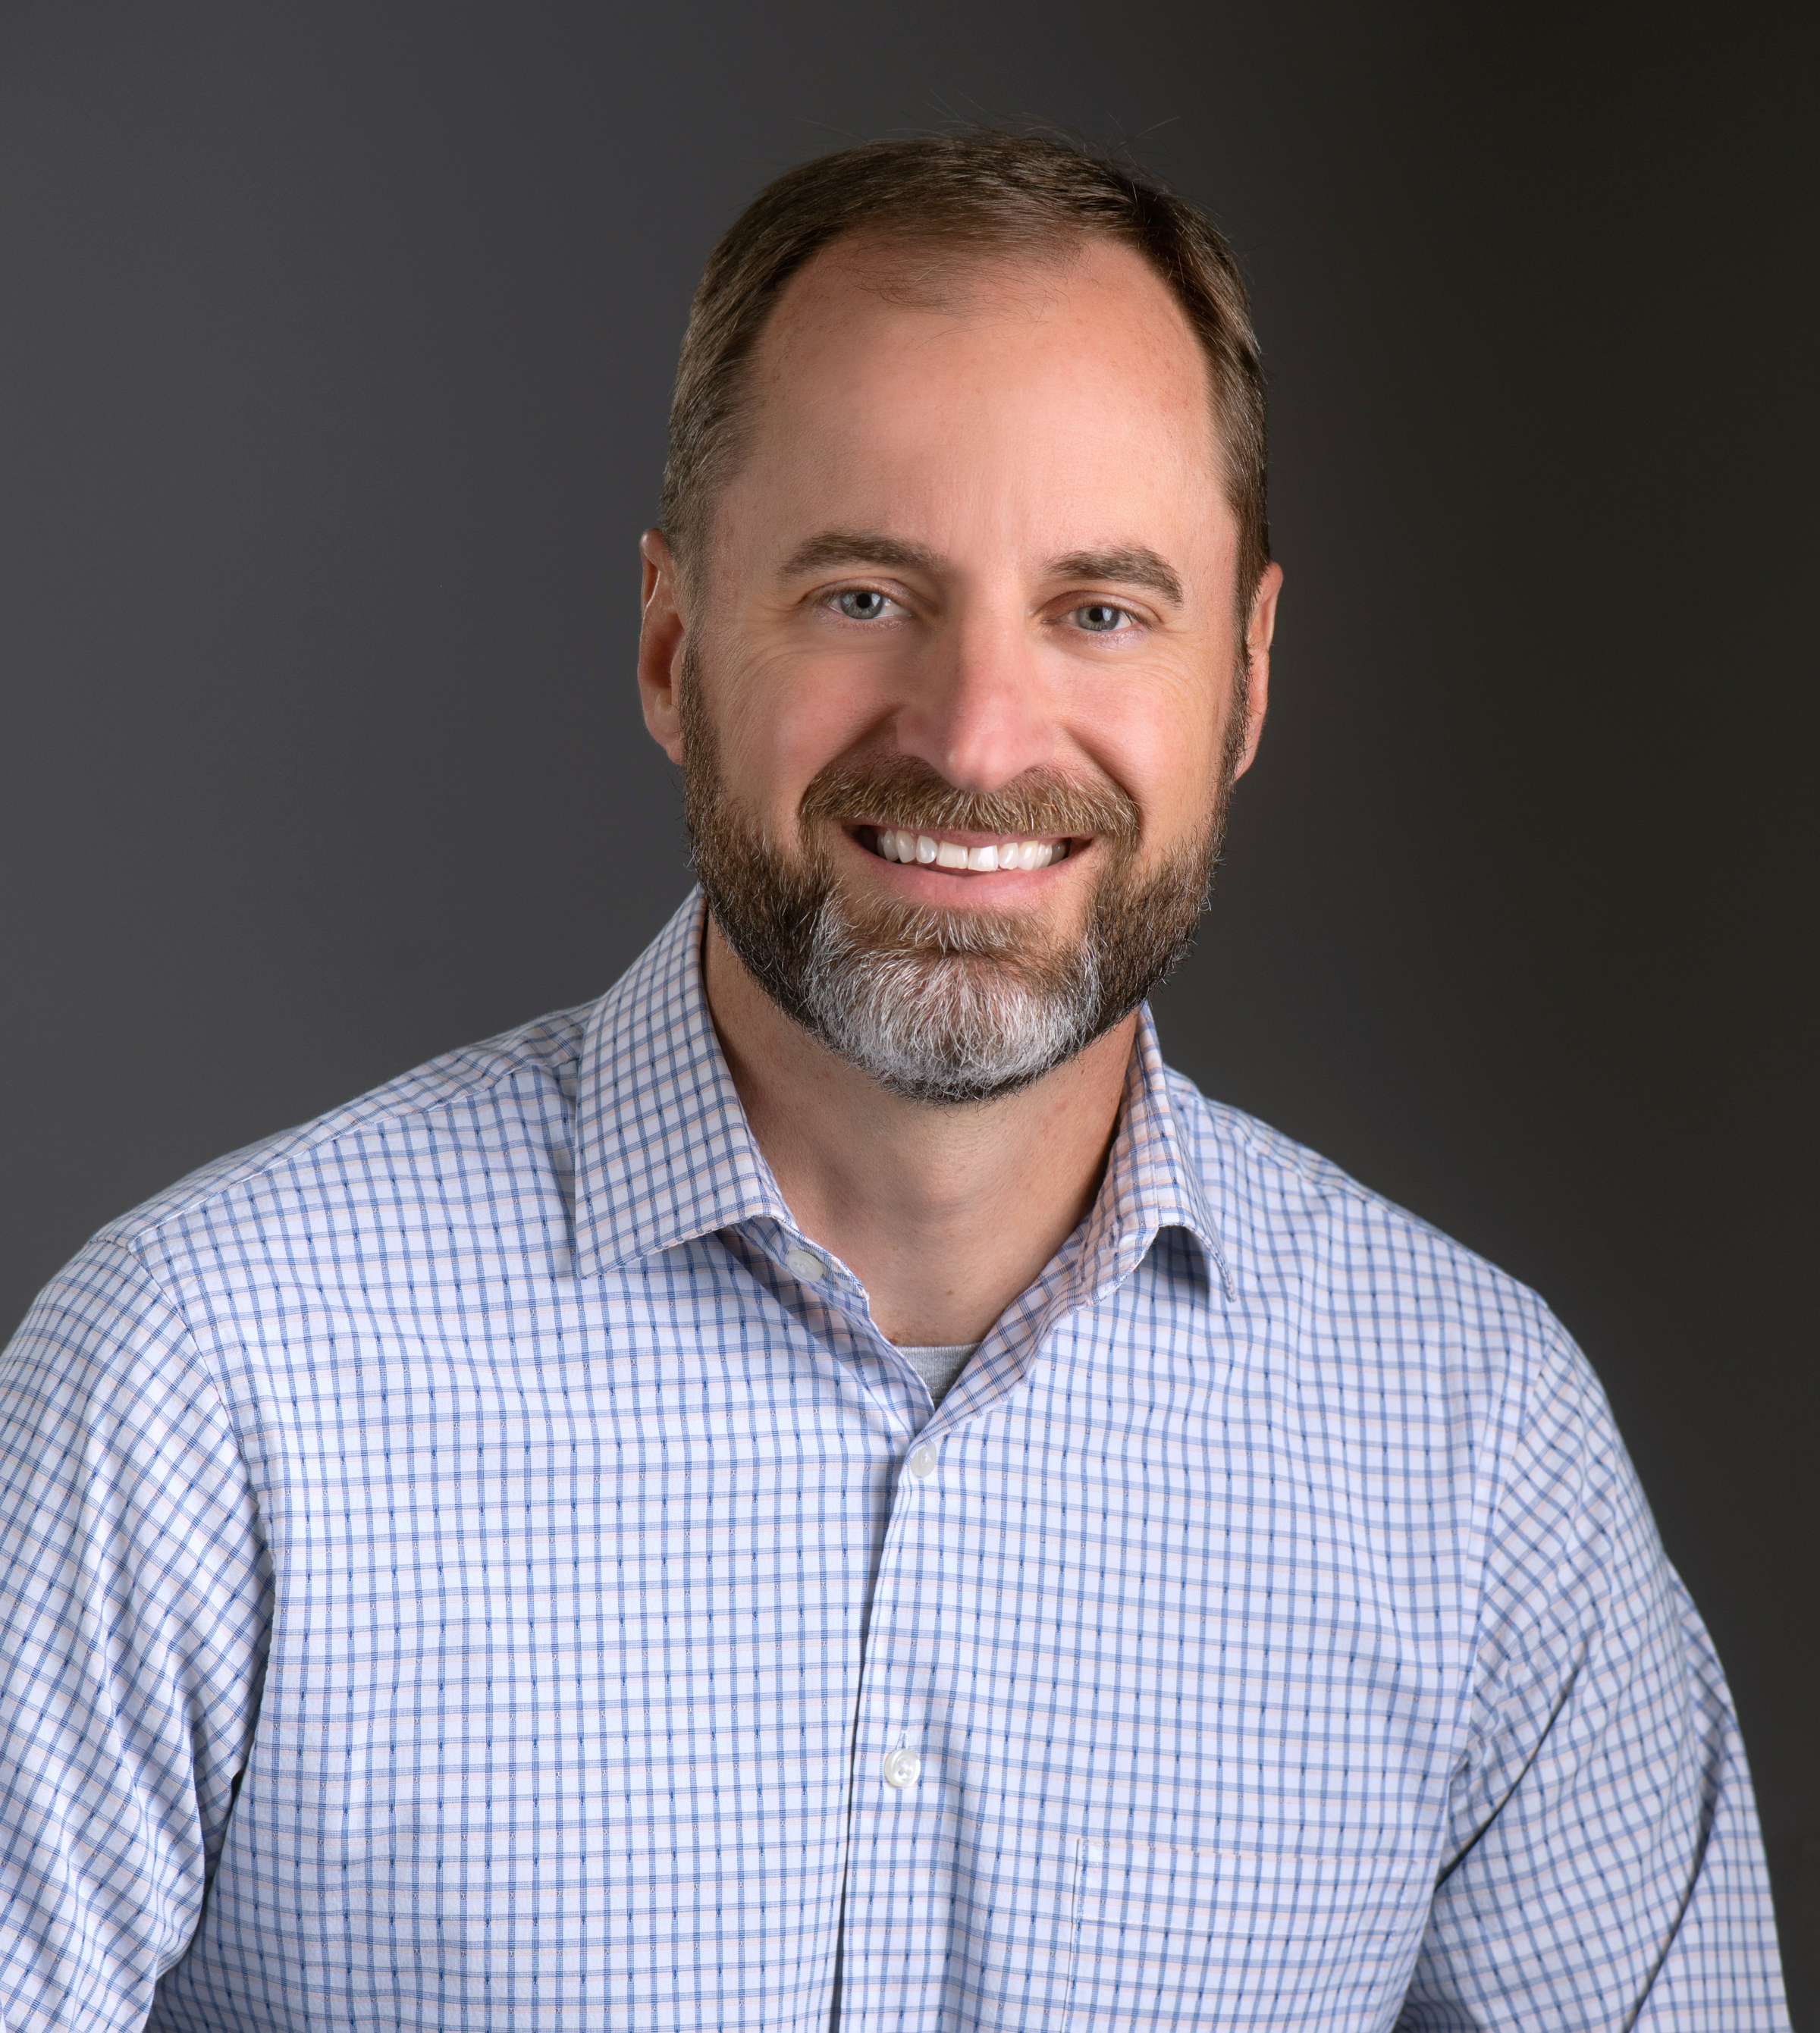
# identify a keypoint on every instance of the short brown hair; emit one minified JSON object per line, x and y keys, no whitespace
{"x":980,"y":190}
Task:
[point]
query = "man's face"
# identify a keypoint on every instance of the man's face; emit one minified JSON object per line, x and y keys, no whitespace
{"x":967,"y":602}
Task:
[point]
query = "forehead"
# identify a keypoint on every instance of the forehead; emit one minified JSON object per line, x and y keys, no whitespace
{"x":896,"y":384}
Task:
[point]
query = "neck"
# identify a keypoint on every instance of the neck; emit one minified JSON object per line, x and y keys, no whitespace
{"x":944,"y":1214}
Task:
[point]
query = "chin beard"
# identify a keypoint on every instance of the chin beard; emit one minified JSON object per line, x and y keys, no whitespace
{"x":942,"y":1007}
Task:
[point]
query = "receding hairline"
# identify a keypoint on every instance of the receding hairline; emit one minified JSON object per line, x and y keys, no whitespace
{"x":872,"y":255}
{"x":921,"y":268}
{"x":941,"y":210}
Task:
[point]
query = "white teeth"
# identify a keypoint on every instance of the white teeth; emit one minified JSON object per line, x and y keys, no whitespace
{"x":895,"y":844}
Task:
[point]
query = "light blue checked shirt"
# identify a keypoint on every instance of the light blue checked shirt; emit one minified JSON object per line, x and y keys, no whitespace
{"x":472,"y":1562}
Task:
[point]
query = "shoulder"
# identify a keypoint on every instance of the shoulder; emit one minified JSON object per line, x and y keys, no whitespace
{"x":505,"y":1103}
{"x":1363,"y":1283}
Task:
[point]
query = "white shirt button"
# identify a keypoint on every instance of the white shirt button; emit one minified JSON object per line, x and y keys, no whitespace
{"x":902,"y":1768}
{"x":922,"y":1463}
{"x":804,"y":1263}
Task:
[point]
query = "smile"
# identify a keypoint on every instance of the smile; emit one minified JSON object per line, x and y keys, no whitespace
{"x":933,"y":850}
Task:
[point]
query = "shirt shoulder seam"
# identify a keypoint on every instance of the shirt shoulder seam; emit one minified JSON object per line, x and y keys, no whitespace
{"x":1272,"y":1150}
{"x":391,"y":1102}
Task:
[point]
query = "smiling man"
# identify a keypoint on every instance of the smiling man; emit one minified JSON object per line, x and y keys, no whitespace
{"x":829,"y":1486}
{"x":959,"y":663}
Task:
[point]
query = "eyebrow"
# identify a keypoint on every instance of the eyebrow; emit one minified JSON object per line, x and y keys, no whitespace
{"x":858,"y":546}
{"x":1130,"y":564}
{"x":1127,"y":564}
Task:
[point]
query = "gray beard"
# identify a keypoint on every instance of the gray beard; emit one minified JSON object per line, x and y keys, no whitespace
{"x":941,"y":1025}
{"x":942,"y":1007}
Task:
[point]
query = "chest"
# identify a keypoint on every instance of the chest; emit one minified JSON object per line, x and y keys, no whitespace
{"x":1179,"y":1574}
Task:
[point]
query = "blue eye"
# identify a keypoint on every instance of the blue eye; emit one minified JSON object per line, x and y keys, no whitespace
{"x":862,"y":604}
{"x":1098,"y":619}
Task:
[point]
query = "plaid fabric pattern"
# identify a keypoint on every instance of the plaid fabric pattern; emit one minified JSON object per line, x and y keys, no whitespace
{"x":472,"y":1562}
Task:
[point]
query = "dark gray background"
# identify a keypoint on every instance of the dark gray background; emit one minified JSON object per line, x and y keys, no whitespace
{"x":334,"y":345}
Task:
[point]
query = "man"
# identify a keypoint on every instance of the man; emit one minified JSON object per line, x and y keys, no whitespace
{"x":829,"y":1485}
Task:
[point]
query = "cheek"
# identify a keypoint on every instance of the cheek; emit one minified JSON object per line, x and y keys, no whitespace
{"x":780,"y":721}
{"x":1160,"y":740}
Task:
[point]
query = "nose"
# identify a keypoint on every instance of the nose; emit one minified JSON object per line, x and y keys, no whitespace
{"x":978,"y":711}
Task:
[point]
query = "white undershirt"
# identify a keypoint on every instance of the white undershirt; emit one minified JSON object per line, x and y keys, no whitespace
{"x":939,"y":1366}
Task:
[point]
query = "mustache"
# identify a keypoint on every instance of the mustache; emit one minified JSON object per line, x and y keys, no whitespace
{"x":906,"y":791}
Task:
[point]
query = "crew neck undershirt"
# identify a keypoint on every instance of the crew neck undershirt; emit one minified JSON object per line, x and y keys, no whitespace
{"x":939,"y":1366}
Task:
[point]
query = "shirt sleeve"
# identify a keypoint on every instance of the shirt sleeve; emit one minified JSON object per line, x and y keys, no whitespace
{"x":1604,"y":1866}
{"x":135,"y":1606}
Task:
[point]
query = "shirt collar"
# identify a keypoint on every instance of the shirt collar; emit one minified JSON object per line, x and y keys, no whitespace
{"x":1151,"y":1182}
{"x":663,"y":1153}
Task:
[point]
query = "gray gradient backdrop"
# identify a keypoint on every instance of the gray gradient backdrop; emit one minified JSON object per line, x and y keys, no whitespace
{"x":335,"y":344}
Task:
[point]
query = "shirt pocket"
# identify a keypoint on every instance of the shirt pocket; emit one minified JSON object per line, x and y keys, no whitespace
{"x":1235,"y":1939}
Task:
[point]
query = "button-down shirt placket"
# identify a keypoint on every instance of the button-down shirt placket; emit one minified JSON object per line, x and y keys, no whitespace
{"x":909,"y":1882}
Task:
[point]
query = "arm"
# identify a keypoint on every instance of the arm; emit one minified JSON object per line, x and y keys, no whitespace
{"x":135,"y":1603}
{"x":1603,"y":1867}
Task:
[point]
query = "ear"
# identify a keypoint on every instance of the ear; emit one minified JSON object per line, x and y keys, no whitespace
{"x":1258,"y":631}
{"x":661,"y":635}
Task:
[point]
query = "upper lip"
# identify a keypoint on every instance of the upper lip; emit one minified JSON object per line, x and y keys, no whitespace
{"x":961,"y":835}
